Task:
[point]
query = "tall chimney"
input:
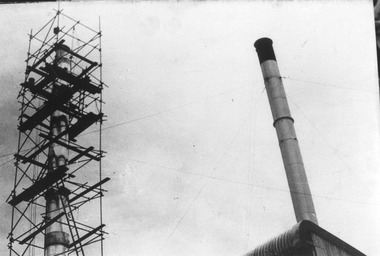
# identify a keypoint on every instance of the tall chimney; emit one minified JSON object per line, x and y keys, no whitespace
{"x":283,"y":122}
{"x":56,"y":239}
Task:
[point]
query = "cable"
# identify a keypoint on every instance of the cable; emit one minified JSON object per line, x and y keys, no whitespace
{"x":330,"y":145}
{"x":208,"y":177}
{"x":154,"y":114}
{"x":6,"y":162}
{"x":328,"y":85}
{"x":245,"y":183}
{"x":8,"y":154}
{"x":240,"y":182}
{"x":251,"y":157}
{"x":165,"y":111}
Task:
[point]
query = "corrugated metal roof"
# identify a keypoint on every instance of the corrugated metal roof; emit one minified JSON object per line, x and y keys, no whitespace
{"x":298,"y":241}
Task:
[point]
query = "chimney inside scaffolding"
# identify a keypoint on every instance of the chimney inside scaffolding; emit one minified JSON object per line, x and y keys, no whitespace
{"x":56,"y":239}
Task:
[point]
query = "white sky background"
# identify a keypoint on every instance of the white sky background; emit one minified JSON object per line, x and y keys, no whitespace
{"x":196,"y":168}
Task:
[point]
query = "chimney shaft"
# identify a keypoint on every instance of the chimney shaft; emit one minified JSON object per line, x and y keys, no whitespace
{"x":283,"y":122}
{"x":56,"y":239}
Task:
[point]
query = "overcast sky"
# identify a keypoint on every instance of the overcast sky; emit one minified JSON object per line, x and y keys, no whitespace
{"x":192,"y":153}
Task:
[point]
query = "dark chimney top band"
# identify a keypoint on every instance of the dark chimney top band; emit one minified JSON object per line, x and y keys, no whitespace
{"x":264,"y":49}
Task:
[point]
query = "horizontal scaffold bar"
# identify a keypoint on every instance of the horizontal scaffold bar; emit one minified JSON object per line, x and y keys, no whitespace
{"x":47,"y":109}
{"x":86,"y":235}
{"x":83,"y":123}
{"x":48,"y":53}
{"x":30,"y":160}
{"x":40,"y":185}
{"x":69,"y":146}
{"x":43,"y":227}
{"x":89,"y":189}
{"x":78,"y":82}
{"x":75,"y":158}
{"x":60,"y":46}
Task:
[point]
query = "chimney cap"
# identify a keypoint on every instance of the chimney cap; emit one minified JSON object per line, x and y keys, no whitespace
{"x":263,"y":41}
{"x":264,"y":49}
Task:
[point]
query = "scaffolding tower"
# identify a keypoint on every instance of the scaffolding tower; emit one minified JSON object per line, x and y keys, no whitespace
{"x":57,"y":196}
